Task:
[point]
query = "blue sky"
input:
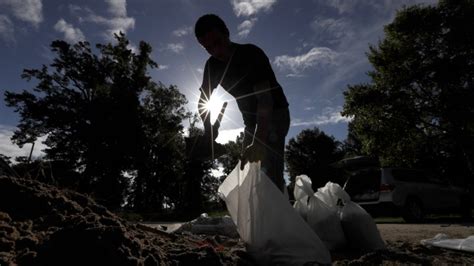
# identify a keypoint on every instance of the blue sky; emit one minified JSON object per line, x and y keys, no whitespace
{"x":316,"y":47}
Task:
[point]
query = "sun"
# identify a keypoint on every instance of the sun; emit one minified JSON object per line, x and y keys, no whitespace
{"x":214,"y":105}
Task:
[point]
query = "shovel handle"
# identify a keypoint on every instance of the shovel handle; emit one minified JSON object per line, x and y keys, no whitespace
{"x":221,"y":114}
{"x":217,"y":124}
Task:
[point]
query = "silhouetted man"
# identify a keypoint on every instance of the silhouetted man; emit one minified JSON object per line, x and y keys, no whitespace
{"x":244,"y":71}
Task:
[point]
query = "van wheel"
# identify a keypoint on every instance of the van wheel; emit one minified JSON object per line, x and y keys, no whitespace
{"x":413,"y":211}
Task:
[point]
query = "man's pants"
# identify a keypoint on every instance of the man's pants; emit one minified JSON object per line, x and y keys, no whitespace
{"x":273,"y":163}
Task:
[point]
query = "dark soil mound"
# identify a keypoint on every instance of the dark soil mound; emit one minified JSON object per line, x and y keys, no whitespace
{"x":43,"y":225}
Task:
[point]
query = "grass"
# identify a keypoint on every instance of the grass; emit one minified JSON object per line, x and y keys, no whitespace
{"x":219,"y":213}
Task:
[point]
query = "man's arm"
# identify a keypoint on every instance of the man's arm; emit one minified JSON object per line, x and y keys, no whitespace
{"x":255,"y":151}
{"x":264,"y":110}
{"x":207,"y":87}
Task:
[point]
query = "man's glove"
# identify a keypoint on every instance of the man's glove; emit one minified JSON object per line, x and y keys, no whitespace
{"x":252,"y":153}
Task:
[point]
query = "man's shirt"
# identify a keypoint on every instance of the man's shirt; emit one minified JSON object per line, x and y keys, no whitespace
{"x":247,"y":66}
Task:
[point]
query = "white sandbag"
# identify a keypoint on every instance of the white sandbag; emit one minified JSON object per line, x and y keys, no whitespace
{"x":303,"y":187}
{"x":301,"y":192}
{"x":443,"y":241}
{"x":322,"y":219}
{"x":301,"y":207}
{"x":325,"y":222}
{"x":359,"y":228}
{"x":274,"y":233}
{"x":333,"y":195}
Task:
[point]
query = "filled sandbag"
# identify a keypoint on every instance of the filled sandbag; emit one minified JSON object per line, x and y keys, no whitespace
{"x":359,"y":228}
{"x":333,"y":195}
{"x":325,"y":222}
{"x":320,"y":217}
{"x":273,"y":231}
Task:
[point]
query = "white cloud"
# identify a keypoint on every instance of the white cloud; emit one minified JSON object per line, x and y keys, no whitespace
{"x":80,"y":12}
{"x":11,"y":150}
{"x":200,"y":70}
{"x":317,"y":56}
{"x":245,"y":27}
{"x":251,"y":7}
{"x":116,"y":22}
{"x":6,"y":29}
{"x":352,"y":6}
{"x":26,"y":10}
{"x":333,"y":30}
{"x":227,"y":135}
{"x":117,"y":8}
{"x":329,"y":115}
{"x":163,"y":67}
{"x":71,"y":34}
{"x":175,"y":47}
{"x":183,"y":31}
{"x":293,"y":75}
{"x":113,"y":25}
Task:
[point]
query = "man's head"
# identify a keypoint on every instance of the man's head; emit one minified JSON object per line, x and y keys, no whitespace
{"x":213,"y":35}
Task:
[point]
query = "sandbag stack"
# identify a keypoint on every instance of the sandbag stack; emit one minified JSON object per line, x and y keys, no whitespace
{"x":337,"y":220}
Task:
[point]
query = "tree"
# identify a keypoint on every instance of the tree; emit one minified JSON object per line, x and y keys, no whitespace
{"x":5,"y":166}
{"x":311,"y":152}
{"x":198,"y":186}
{"x":88,"y":108}
{"x":161,"y":162}
{"x":352,"y":146}
{"x":417,"y":110}
{"x":233,"y":151}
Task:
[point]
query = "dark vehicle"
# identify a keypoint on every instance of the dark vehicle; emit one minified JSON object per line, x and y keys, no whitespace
{"x":410,"y":193}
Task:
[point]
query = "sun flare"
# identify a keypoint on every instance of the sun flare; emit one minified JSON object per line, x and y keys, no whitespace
{"x":214,"y":105}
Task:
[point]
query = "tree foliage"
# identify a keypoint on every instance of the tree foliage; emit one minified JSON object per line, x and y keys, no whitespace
{"x":417,"y":110}
{"x":352,"y":146}
{"x":105,"y":120}
{"x":311,"y":152}
{"x":160,"y":164}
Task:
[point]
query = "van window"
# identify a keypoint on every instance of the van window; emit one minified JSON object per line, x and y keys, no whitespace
{"x":409,"y":175}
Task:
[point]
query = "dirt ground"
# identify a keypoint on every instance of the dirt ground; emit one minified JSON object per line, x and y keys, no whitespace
{"x":413,"y":233}
{"x":403,"y":246}
{"x":43,"y":225}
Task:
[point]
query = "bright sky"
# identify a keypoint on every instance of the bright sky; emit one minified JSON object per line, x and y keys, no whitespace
{"x":316,"y":47}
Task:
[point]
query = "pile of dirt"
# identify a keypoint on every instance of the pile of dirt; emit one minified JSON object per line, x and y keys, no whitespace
{"x":43,"y":225}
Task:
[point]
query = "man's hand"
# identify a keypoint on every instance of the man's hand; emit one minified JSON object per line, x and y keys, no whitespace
{"x":211,"y":132}
{"x":252,"y":153}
